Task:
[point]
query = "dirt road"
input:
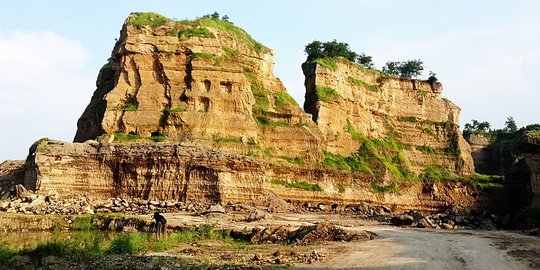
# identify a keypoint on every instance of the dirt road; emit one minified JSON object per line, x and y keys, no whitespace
{"x":434,"y":249}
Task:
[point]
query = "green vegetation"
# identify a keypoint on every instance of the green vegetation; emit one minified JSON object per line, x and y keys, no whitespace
{"x":227,"y":26}
{"x":157,"y":138}
{"x":173,"y":32}
{"x":354,"y":134}
{"x":264,"y":121}
{"x":38,"y":142}
{"x":341,"y":188}
{"x":129,"y":107}
{"x":147,"y":18}
{"x":354,"y":162}
{"x":363,"y":84}
{"x":533,"y":134}
{"x":329,"y":63}
{"x":175,"y":109}
{"x":390,"y":188}
{"x":202,"y":55}
{"x":407,"y":69}
{"x":284,"y":99}
{"x":334,"y":49}
{"x":227,"y":140}
{"x":412,"y":119}
{"x":325,"y":94}
{"x":122,"y":137}
{"x":294,"y":160}
{"x":434,"y":173}
{"x":79,"y":249}
{"x":299,"y":185}
{"x":261,"y":97}
{"x":426,"y":149}
{"x":301,"y":124}
{"x":195,"y":32}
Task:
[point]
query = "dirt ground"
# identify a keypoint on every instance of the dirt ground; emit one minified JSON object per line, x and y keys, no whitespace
{"x":396,"y":248}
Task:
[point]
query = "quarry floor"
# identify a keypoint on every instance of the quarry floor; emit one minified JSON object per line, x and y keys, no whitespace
{"x":398,"y":248}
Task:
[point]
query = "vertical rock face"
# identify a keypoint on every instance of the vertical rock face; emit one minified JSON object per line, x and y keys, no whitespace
{"x":350,"y":103}
{"x":204,"y":81}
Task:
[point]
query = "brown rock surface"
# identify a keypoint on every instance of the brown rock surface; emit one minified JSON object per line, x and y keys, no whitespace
{"x":231,"y":133}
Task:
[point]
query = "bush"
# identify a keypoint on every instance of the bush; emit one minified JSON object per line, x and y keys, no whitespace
{"x":5,"y":254}
{"x":157,"y":138}
{"x":202,"y":55}
{"x":129,"y":107}
{"x":283,"y":99}
{"x":120,"y":136}
{"x":363,"y":84}
{"x":341,"y":188}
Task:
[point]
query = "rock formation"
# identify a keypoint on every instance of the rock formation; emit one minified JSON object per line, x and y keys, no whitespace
{"x":191,"y":111}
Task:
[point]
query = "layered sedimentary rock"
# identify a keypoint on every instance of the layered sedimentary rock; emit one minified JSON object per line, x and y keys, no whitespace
{"x":204,"y":81}
{"x":192,"y":111}
{"x":349,"y":102}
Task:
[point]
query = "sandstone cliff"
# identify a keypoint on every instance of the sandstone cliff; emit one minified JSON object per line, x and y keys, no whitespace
{"x":191,"y":111}
{"x":352,"y":105}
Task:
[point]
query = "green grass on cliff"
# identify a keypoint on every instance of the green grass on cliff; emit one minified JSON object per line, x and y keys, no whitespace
{"x":363,"y":84}
{"x":326,"y":94}
{"x":195,"y":32}
{"x":147,"y":18}
{"x":329,"y":63}
{"x":284,"y":99}
{"x":264,"y":121}
{"x":202,"y":55}
{"x":299,"y":185}
{"x":390,"y":188}
{"x":434,"y":173}
{"x":425,"y":149}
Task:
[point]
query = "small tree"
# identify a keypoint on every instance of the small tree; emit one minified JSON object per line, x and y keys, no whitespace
{"x":392,"y":68}
{"x":407,"y":69}
{"x":432,"y":77}
{"x":314,"y":50}
{"x":215,"y":16}
{"x":510,"y":124}
{"x":477,"y":127}
{"x":364,"y":60}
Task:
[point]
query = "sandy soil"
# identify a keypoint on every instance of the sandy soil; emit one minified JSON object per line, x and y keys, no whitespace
{"x":401,"y":248}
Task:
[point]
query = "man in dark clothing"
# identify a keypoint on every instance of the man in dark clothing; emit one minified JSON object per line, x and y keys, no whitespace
{"x":160,"y":224}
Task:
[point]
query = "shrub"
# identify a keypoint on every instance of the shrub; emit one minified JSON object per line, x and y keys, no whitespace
{"x":5,"y":254}
{"x":147,"y":18}
{"x":120,"y":136}
{"x":436,"y":173}
{"x":426,"y":149}
{"x":175,"y":109}
{"x":325,"y":94}
{"x":341,"y":188}
{"x":354,"y":134}
{"x":173,"y":32}
{"x":129,"y":107}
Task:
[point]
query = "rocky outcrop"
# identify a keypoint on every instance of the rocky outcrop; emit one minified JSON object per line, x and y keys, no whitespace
{"x":11,"y":174}
{"x":191,"y":111}
{"x":351,"y":104}
{"x":205,"y":81}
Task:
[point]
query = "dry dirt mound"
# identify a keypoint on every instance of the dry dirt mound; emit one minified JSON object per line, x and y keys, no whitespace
{"x":305,"y":235}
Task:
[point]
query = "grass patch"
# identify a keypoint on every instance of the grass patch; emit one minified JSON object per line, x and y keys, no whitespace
{"x":326,"y":94}
{"x":227,"y":140}
{"x":390,"y":188}
{"x":263,"y":121}
{"x":129,"y":107}
{"x":363,"y":84}
{"x":294,"y":160}
{"x":173,"y":32}
{"x":262,"y":103}
{"x":412,"y":119}
{"x":301,"y":124}
{"x":354,"y":133}
{"x":147,"y":18}
{"x":426,"y":149}
{"x":283,"y":99}
{"x":341,"y":188}
{"x":355,"y":162}
{"x":202,"y":55}
{"x":175,"y":109}
{"x":329,"y":63}
{"x":434,"y":173}
{"x":122,"y":137}
{"x":157,"y":138}
{"x":195,"y":32}
{"x":299,"y":185}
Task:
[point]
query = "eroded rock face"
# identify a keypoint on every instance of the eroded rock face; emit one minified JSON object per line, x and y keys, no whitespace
{"x":205,"y":88}
{"x":347,"y":101}
{"x":231,"y":133}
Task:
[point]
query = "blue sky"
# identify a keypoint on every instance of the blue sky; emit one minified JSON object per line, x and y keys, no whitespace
{"x":486,"y":53}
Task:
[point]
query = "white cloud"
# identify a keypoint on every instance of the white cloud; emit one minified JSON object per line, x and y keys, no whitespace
{"x":43,"y":89}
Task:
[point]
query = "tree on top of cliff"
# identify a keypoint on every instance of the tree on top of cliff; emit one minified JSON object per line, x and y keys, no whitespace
{"x":333,"y":49}
{"x":476,"y":127}
{"x":406,"y":69}
{"x":510,"y":124}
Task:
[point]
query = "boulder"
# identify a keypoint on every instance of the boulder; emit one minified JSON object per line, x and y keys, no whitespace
{"x":402,"y":220}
